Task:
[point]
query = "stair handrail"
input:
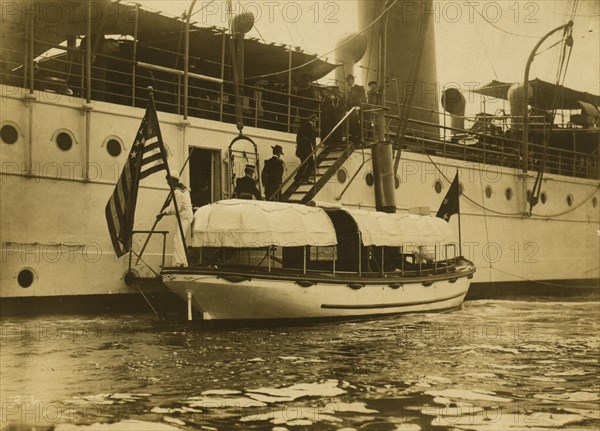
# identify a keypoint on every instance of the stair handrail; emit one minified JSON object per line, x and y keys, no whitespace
{"x":313,"y":153}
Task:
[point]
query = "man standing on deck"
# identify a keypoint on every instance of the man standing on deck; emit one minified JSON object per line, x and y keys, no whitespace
{"x":355,"y":98}
{"x":306,"y":140}
{"x":272,"y":174}
{"x":186,"y":215}
{"x":246,"y":187}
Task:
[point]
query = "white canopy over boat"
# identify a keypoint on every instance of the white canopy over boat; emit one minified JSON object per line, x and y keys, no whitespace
{"x":249,"y":224}
{"x":396,"y":230}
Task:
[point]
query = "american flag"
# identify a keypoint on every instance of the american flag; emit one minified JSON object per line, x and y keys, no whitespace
{"x":147,"y":157}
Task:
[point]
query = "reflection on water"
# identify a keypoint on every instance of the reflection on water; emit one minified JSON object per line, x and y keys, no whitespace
{"x":494,"y":365}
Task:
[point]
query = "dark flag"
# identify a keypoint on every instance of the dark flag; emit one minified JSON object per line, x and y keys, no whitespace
{"x":450,"y":203}
{"x":147,"y":157}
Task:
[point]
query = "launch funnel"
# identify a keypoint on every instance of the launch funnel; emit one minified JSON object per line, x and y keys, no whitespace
{"x":453,"y":102}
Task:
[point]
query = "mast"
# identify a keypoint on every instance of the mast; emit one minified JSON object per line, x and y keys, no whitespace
{"x":526,"y":92}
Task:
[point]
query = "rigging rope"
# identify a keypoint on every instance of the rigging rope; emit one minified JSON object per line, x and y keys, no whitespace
{"x":317,"y":57}
{"x":499,"y":28}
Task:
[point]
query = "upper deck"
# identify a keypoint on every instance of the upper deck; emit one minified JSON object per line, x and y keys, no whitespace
{"x":132,"y":48}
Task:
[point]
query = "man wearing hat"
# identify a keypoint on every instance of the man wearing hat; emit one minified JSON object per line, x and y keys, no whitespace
{"x":186,"y":215}
{"x":272,"y":174}
{"x":246,"y":187}
{"x":306,"y":140}
{"x":355,"y":97}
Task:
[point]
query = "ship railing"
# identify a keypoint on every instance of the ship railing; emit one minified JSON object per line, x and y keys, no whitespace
{"x":124,"y":81}
{"x":325,"y":260}
{"x":499,"y":150}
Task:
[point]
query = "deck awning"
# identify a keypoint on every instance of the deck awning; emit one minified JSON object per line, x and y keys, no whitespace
{"x":400,"y":230}
{"x":544,"y":95}
{"x":251,"y":224}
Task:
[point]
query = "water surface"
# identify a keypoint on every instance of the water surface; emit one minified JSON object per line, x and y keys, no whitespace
{"x":494,"y":365}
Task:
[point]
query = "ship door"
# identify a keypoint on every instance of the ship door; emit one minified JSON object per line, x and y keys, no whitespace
{"x":205,"y":176}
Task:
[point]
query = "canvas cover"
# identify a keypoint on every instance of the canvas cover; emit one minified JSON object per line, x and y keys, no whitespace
{"x":396,"y":230}
{"x":251,"y":224}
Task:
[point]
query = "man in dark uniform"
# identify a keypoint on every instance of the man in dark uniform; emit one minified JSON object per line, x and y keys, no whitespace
{"x":355,"y":97}
{"x":246,"y":187}
{"x":272,"y":174}
{"x":306,"y":140}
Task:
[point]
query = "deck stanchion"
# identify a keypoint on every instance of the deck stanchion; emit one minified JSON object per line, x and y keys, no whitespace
{"x":189,"y":306}
{"x":334,"y":257}
{"x":304,"y":258}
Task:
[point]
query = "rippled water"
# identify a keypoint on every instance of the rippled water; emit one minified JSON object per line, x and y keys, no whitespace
{"x":494,"y":365}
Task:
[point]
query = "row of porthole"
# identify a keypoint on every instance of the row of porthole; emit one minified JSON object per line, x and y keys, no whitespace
{"x":342,"y":176}
{"x":508,"y":193}
{"x":63,"y":138}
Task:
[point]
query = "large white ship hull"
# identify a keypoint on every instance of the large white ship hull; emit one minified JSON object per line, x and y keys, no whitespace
{"x":52,"y":207}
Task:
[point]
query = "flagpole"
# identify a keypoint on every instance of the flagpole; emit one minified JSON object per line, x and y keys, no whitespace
{"x":160,"y":139}
{"x":459,"y":231}
{"x":164,"y":206}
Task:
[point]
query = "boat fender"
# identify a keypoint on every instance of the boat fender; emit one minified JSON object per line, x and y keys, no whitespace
{"x":356,"y":286}
{"x":396,"y":285}
{"x":235,"y":278}
{"x":453,"y":280}
{"x":470,"y":276}
{"x":427,"y":283}
{"x":305,"y":283}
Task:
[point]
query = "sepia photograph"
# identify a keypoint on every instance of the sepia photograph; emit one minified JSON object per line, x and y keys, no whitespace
{"x":298,"y":215}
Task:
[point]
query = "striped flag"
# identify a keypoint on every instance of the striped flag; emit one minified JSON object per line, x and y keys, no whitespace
{"x":147,"y":156}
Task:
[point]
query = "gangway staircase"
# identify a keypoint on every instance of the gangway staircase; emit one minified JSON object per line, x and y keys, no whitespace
{"x":325,"y":159}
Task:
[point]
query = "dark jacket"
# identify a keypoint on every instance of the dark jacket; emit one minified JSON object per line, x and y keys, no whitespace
{"x":246,"y":187}
{"x":272,"y":173}
{"x":356,"y":96}
{"x":306,"y":139}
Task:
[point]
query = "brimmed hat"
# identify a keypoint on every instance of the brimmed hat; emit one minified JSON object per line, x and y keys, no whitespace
{"x":372,"y":82}
{"x":249,"y":169}
{"x":278,"y":149}
{"x":349,"y":76}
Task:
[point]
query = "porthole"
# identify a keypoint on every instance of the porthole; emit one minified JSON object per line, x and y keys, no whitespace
{"x":570,"y":199}
{"x":64,"y":141}
{"x":113,"y":147}
{"x":508,"y":193}
{"x":488,"y":192}
{"x":25,"y":278}
{"x":369,"y":179}
{"x":342,"y":176}
{"x":397,"y":182}
{"x":9,"y":134}
{"x":595,"y":202}
{"x":528,"y":196}
{"x":544,"y":197}
{"x":438,"y":186}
